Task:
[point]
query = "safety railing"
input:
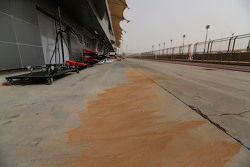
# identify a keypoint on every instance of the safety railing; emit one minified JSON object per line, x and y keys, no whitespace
{"x":235,"y":44}
{"x":179,"y":50}
{"x":235,"y":48}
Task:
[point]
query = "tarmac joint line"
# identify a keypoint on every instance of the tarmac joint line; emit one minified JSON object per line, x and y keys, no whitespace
{"x":198,"y":111}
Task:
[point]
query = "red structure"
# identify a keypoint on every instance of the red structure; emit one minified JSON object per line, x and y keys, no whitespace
{"x":90,"y":57}
{"x":75,"y":64}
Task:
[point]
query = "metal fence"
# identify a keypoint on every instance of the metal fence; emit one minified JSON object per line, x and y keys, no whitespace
{"x":236,"y":46}
{"x":179,"y":50}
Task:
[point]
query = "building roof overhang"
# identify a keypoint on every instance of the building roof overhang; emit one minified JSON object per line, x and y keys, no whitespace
{"x":117,"y":8}
{"x":89,"y":14}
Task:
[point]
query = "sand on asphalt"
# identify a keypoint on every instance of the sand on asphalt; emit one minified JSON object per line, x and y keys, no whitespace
{"x":137,"y":124}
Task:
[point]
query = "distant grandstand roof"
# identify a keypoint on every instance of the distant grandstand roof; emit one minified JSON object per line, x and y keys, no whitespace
{"x":117,"y":8}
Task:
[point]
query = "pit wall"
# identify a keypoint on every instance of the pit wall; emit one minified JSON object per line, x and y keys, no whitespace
{"x":242,"y":57}
{"x":169,"y":57}
{"x":245,"y":57}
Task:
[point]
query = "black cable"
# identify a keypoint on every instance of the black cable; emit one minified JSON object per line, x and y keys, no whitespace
{"x":65,"y":42}
{"x":57,"y":38}
{"x":56,"y":45}
{"x":53,"y":54}
{"x":76,"y":34}
{"x":58,"y":49}
{"x":56,"y":56}
{"x":54,"y":49}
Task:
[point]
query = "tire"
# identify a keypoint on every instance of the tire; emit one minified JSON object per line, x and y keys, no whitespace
{"x":50,"y":81}
{"x":10,"y":81}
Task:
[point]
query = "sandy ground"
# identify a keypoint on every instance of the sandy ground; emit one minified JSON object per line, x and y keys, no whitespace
{"x":137,"y":124}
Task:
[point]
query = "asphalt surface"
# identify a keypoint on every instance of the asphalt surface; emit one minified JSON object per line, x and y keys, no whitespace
{"x":33,"y":113}
{"x":221,"y":94}
{"x":37,"y":121}
{"x":243,"y":68}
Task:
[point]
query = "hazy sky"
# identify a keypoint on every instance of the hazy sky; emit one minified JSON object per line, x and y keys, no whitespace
{"x":158,"y":21}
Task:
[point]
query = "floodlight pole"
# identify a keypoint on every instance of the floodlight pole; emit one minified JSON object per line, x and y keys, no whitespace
{"x":184,"y":36}
{"x":159,"y":51}
{"x":207,"y":28}
{"x":248,"y":46}
{"x":171,"y":52}
{"x":164,"y":44}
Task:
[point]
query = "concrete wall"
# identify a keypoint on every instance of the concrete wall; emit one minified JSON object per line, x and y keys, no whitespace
{"x":162,"y":57}
{"x":20,"y":38}
{"x":20,"y":43}
{"x":245,"y":57}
